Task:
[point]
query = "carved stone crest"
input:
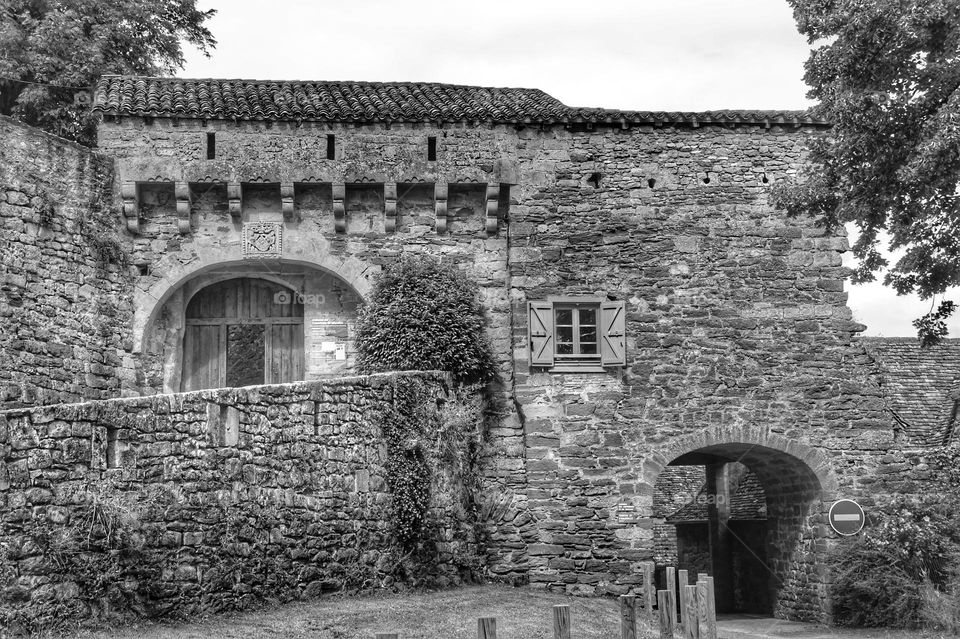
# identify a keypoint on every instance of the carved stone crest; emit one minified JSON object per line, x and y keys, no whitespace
{"x":262,"y":240}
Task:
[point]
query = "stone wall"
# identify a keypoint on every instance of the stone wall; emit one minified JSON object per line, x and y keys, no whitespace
{"x":215,"y":499}
{"x":65,"y":290}
{"x":737,"y":328}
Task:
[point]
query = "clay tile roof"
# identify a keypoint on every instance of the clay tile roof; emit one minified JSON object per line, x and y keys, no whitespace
{"x":921,"y":385}
{"x":381,"y":102}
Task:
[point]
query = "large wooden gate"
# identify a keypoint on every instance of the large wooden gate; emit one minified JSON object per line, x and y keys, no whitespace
{"x":242,"y":332}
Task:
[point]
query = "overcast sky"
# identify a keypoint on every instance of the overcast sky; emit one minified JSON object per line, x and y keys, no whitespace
{"x":686,"y":55}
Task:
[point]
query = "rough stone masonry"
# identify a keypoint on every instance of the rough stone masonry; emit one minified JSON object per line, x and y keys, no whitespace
{"x":646,"y":304}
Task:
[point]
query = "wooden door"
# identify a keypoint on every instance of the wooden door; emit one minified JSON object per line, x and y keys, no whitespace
{"x":242,"y":332}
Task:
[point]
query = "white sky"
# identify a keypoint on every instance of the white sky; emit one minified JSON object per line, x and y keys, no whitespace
{"x":688,"y":55}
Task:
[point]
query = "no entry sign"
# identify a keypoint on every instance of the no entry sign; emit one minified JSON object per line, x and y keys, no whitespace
{"x":846,"y":517}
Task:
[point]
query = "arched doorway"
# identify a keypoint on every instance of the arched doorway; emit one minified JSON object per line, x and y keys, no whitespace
{"x":749,"y":515}
{"x":241,"y":332}
{"x":310,"y":335}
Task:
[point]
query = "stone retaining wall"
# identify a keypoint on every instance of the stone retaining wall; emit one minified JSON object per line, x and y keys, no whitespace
{"x":212,"y":499}
{"x":65,"y":303}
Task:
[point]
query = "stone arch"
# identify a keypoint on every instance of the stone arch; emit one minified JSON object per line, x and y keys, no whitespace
{"x":148,"y":302}
{"x":731,"y":438}
{"x":798,"y":485}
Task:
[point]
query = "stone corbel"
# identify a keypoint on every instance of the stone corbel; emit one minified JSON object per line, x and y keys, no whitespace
{"x":287,"y":202}
{"x":235,"y":200}
{"x":131,"y":206}
{"x":339,"y":207}
{"x":493,"y":202}
{"x":390,"y":206}
{"x":182,"y":192}
{"x":440,"y":199}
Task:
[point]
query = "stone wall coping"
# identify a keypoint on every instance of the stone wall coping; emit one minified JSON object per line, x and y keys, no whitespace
{"x":217,"y":395}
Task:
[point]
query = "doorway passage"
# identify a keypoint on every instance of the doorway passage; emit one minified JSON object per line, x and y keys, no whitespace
{"x":746,"y":514}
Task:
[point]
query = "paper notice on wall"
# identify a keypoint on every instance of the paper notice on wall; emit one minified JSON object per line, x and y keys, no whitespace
{"x":329,"y":340}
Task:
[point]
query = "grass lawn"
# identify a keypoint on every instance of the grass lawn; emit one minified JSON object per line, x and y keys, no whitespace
{"x":521,"y":613}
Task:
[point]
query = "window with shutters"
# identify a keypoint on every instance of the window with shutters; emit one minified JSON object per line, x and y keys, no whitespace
{"x":577,"y":334}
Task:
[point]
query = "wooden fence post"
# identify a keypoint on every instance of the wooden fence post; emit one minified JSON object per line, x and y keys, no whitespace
{"x":649,"y":589}
{"x":711,"y":610}
{"x":663,"y":606}
{"x":691,"y":622}
{"x":702,"y":608}
{"x":628,"y":617}
{"x":487,"y":628}
{"x":561,"y":622}
{"x":672,"y":598}
{"x":683,"y":580}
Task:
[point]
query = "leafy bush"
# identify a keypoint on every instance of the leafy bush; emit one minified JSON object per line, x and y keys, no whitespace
{"x":884,"y":578}
{"x":424,"y":315}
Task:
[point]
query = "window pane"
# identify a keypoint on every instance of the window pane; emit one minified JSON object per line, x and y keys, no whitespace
{"x":565,"y":334}
{"x":564,"y":348}
{"x":245,"y":349}
{"x":588,"y":334}
{"x":564,"y":317}
{"x":588,"y":349}
{"x":588,"y":316}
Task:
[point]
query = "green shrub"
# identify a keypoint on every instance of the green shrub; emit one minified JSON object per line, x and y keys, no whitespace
{"x":424,"y":315}
{"x":885,"y":576}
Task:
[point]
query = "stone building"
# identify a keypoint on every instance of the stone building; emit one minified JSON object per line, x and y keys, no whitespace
{"x":652,"y":315}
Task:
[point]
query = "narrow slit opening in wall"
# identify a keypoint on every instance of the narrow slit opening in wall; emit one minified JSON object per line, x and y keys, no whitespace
{"x":331,"y":146}
{"x":764,"y":178}
{"x":144,"y":269}
{"x":651,"y":183}
{"x":594,"y":180}
{"x":113,"y":453}
{"x":211,"y":146}
{"x":432,"y":149}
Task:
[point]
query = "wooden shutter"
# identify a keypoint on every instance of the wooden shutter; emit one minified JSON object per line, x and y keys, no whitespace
{"x":540,"y":327}
{"x":613,"y":343}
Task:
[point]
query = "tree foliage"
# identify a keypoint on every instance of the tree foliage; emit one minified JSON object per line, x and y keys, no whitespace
{"x":51,"y":50}
{"x":424,"y":315}
{"x":886,"y":73}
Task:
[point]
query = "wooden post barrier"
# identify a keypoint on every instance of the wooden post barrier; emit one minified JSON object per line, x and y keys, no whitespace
{"x":628,"y":617}
{"x":487,"y":628}
{"x":672,"y":598}
{"x":691,"y":622}
{"x":663,"y":606}
{"x":711,"y":610}
{"x":649,"y":589}
{"x":561,"y":622}
{"x":702,"y":608}
{"x":683,"y":580}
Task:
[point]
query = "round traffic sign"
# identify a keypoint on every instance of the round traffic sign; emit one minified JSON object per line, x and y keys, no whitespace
{"x":846,"y":517}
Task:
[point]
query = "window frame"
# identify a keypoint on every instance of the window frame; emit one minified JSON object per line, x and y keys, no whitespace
{"x":576,"y":363}
{"x":577,"y":356}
